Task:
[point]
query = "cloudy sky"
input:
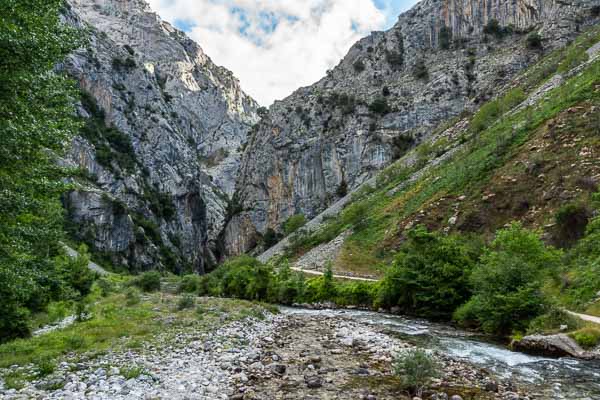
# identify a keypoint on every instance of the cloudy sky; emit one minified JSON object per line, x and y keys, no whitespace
{"x":276,"y":46}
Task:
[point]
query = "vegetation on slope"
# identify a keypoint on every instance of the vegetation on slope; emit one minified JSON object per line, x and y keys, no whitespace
{"x":36,"y":121}
{"x":527,"y":273}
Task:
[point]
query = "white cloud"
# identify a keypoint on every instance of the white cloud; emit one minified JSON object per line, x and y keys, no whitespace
{"x":274,"y":46}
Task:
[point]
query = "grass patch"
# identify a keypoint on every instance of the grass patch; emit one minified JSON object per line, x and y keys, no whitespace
{"x":132,"y":372}
{"x":588,"y":338}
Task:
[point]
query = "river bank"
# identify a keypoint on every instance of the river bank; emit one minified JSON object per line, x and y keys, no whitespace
{"x":217,"y":352}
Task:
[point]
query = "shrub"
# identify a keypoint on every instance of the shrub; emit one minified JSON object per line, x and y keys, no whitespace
{"x":185,"y":302}
{"x":262,"y":112}
{"x":493,"y":28}
{"x":123,"y":64}
{"x":430,"y":276}
{"x":132,"y":297}
{"x":571,"y":222}
{"x":534,"y":41}
{"x":270,"y":238}
{"x":76,"y":272}
{"x":420,"y":70}
{"x":106,"y":287}
{"x":380,"y":106}
{"x":148,"y":281}
{"x":189,"y":284}
{"x":293,"y":223}
{"x":356,"y":293}
{"x":45,"y":367}
{"x":131,"y":372}
{"x":587,"y":338}
{"x":445,"y":37}
{"x":416,"y":369}
{"x":342,"y":189}
{"x":394,"y":58}
{"x":359,"y":66}
{"x":507,"y":282}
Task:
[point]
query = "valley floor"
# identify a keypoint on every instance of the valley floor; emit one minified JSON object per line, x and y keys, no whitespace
{"x":225,"y":349}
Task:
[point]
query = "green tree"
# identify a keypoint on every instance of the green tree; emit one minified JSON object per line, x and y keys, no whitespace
{"x":430,"y":276}
{"x":37,"y":108}
{"x":507,"y":283}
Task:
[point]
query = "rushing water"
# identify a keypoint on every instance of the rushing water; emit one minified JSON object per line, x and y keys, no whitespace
{"x":546,"y":378}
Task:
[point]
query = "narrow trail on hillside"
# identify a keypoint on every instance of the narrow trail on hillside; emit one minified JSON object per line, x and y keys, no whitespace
{"x":349,"y":277}
{"x":585,"y":317}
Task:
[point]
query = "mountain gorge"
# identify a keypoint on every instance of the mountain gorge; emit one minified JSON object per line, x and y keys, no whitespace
{"x":441,"y":60}
{"x":421,"y":223}
{"x":162,"y":142}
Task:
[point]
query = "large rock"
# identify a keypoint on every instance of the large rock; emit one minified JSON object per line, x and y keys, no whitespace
{"x":559,"y":345}
{"x":187,"y":120}
{"x":334,"y":135}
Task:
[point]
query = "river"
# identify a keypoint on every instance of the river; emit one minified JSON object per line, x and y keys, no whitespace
{"x":545,"y":378}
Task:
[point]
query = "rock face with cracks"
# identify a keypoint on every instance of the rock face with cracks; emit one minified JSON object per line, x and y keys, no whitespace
{"x":393,"y":88}
{"x":163,"y":139}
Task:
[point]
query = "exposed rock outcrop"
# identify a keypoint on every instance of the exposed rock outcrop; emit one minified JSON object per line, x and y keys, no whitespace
{"x":392,"y":89}
{"x":559,"y":345}
{"x":161,"y":149}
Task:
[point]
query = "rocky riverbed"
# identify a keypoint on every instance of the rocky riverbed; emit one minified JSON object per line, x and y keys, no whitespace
{"x":283,"y":356}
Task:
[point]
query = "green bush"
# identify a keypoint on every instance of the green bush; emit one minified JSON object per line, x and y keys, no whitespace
{"x":587,"y":338}
{"x":493,"y":28}
{"x":534,"y":41}
{"x":189,"y":284}
{"x":106,"y":287}
{"x":430,"y":276}
{"x":148,"y":281}
{"x":571,"y":223}
{"x":45,"y":367}
{"x":416,"y":369}
{"x":507,"y":283}
{"x":270,"y":238}
{"x":132,"y":297}
{"x":293,"y":224}
{"x":380,"y":106}
{"x":185,"y":302}
{"x":76,"y":272}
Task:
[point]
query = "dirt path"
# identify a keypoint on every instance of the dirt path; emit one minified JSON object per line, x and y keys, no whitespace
{"x":319,"y":273}
{"x":585,"y":317}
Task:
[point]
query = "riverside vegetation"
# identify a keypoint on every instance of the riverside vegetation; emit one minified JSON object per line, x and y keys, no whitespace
{"x":504,"y":278}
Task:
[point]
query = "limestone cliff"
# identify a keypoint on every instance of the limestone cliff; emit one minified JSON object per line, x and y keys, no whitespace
{"x":441,"y":59}
{"x":161,"y":148}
